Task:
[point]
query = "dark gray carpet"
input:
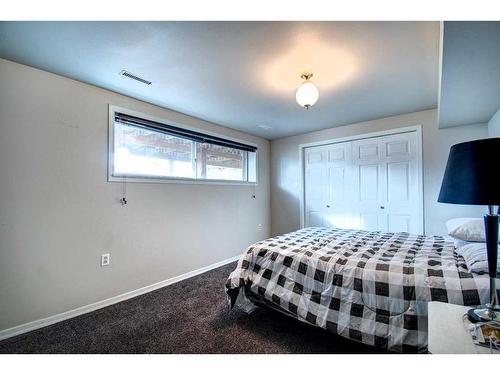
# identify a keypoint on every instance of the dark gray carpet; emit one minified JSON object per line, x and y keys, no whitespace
{"x":191,"y":316}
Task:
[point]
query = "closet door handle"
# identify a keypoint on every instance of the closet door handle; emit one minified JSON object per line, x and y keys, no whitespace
{"x":327,"y":206}
{"x":382,"y":207}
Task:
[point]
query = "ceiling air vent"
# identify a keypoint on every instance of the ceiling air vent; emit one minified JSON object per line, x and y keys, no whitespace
{"x":133,"y":76}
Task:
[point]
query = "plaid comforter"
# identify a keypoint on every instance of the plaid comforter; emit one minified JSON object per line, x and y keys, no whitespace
{"x":371,"y":287}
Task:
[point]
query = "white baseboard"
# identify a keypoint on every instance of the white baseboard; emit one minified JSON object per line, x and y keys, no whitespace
{"x":30,"y":326}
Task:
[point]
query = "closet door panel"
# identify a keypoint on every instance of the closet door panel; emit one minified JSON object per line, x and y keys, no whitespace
{"x":338,"y":153}
{"x":315,"y":184}
{"x":398,"y":182}
{"x":397,"y":146}
{"x":368,"y":183}
{"x":367,"y":150}
{"x":338,"y":182}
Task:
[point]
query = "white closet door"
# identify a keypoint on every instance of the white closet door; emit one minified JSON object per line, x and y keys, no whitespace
{"x":367,"y":184}
{"x":370,"y":184}
{"x":401,"y":201}
{"x":338,"y":166}
{"x":316,"y":187}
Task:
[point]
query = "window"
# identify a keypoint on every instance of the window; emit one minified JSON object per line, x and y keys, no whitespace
{"x":144,"y":152}
{"x":151,"y":150}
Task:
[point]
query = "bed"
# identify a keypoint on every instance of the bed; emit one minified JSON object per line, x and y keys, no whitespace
{"x":372,"y":287}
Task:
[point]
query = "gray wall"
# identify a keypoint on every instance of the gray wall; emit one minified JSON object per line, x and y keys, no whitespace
{"x":470,"y":73}
{"x":494,"y":125}
{"x":285,"y":207}
{"x":58,"y":213}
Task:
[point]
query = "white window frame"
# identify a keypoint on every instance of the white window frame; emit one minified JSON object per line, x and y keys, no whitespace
{"x":166,"y":179}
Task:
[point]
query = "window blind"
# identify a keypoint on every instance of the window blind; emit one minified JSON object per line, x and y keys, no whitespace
{"x":180,"y":132}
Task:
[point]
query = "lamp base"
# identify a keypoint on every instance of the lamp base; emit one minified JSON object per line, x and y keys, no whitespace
{"x":491,"y":311}
{"x":486,"y":314}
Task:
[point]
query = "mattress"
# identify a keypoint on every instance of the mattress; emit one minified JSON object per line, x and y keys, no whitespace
{"x":372,"y":287}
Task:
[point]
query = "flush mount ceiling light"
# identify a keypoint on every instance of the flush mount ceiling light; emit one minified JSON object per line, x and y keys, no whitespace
{"x":307,"y":94}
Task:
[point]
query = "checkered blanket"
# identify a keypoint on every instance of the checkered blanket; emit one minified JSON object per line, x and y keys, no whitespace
{"x":372,"y":287}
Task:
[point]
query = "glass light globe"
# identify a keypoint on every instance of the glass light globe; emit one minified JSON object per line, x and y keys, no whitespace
{"x":307,"y":94}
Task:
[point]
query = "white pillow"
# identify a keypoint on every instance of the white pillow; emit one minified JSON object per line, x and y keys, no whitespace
{"x":457,"y":243}
{"x":466,"y":229}
{"x":476,"y":257}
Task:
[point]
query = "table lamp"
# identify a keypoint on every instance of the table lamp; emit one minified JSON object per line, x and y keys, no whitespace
{"x":472,"y":177}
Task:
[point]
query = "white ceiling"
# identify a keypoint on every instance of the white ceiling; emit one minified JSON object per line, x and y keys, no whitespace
{"x":244,"y":74}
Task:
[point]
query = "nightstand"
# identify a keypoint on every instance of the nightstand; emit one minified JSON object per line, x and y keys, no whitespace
{"x":447,"y":332}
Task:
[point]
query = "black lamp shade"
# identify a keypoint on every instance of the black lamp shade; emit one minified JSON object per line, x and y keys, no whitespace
{"x":472,"y":173}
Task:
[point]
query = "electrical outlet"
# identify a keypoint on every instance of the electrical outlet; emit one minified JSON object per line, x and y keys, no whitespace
{"x":259,"y":226}
{"x":105,"y":259}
